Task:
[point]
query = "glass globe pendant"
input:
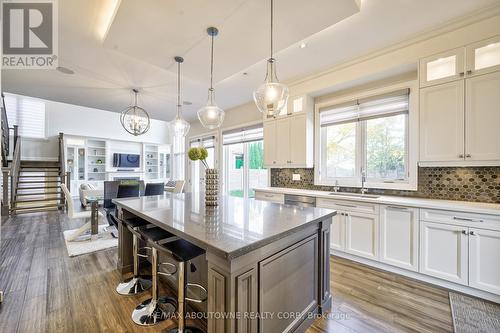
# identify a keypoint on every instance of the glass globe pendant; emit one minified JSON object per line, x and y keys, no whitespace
{"x":179,"y":127}
{"x":134,"y":119}
{"x":271,"y":96}
{"x":211,"y":116}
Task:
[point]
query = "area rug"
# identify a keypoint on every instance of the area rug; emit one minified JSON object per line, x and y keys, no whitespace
{"x":80,"y":247}
{"x":471,"y":314}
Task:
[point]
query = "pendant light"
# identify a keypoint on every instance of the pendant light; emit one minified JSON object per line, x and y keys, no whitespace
{"x":179,"y":127}
{"x":211,"y":116}
{"x":134,"y":119}
{"x":271,"y":96}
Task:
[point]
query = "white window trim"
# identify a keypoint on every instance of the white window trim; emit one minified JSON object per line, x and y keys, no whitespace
{"x":413,"y":123}
{"x":189,"y":163}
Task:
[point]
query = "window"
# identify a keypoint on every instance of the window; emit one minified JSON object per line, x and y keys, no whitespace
{"x":366,"y":136}
{"x":27,"y":113}
{"x":244,"y":161}
{"x":179,"y":156}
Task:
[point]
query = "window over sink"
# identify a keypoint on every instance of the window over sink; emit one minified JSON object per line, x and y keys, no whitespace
{"x":367,"y":135}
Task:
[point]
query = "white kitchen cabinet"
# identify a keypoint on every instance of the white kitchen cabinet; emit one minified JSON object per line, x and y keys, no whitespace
{"x":337,"y":232}
{"x":482,"y":117}
{"x":298,"y":104}
{"x":483,"y":57}
{"x":484,"y":263}
{"x":288,"y":141}
{"x":442,"y":122}
{"x":399,"y":236}
{"x":362,"y":234}
{"x":271,"y":197}
{"x":443,"y":67}
{"x":269,"y":128}
{"x":444,"y":251}
{"x":282,"y":141}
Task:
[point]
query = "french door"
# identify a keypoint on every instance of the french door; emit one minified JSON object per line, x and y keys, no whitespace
{"x":243,"y":159}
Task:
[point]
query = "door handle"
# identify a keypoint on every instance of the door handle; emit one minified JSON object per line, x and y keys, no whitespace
{"x":465,"y":232}
{"x":461,"y":155}
{"x":472,"y":233}
{"x":350,"y":206}
{"x":466,"y":219}
{"x":469,"y":72}
{"x":397,"y":208}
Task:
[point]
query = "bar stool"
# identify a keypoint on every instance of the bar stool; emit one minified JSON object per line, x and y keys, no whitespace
{"x":157,"y":308}
{"x":137,"y":283}
{"x":183,"y":252}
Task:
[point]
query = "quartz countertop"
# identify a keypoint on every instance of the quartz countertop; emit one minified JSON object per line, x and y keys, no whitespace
{"x":462,"y":206}
{"x":233,"y":228}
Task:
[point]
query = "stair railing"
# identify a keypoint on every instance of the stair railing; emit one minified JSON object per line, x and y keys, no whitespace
{"x":14,"y":173}
{"x":65,"y":176}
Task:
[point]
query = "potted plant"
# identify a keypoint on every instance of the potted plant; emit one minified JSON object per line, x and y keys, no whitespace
{"x":211,"y":175}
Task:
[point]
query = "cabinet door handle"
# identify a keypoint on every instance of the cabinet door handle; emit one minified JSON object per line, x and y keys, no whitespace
{"x":468,"y":155}
{"x":466,"y":219}
{"x":461,"y":73}
{"x":461,"y":155}
{"x":472,"y":233}
{"x":469,"y":72}
{"x":465,"y":232}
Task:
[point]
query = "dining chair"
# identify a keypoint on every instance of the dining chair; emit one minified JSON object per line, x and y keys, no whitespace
{"x":154,"y":189}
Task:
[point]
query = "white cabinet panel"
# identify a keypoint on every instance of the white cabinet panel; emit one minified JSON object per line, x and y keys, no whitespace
{"x":483,"y":57}
{"x":269,"y":143}
{"x":337,"y":232}
{"x":443,"y":251}
{"x":361,"y":234}
{"x":298,"y":140}
{"x":272,"y":197}
{"x":441,"y":68}
{"x":482,"y":117}
{"x":399,"y":236}
{"x":282,"y":151}
{"x":442,"y":122}
{"x":484,"y":262}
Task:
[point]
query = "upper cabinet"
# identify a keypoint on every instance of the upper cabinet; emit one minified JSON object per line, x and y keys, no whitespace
{"x":441,"y":68}
{"x":288,"y":139}
{"x":459,"y":116}
{"x":483,"y":57}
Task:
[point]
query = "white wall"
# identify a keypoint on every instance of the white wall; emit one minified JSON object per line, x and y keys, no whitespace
{"x":83,"y":121}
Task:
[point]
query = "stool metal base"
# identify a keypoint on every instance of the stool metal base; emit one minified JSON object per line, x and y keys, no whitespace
{"x":187,"y":329}
{"x":149,"y":313}
{"x":134,"y":286}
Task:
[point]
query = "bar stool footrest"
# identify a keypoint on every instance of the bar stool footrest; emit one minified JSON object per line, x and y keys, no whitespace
{"x":199,"y":286}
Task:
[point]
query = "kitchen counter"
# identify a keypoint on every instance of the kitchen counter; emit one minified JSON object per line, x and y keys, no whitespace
{"x":256,"y":252}
{"x":462,"y":206}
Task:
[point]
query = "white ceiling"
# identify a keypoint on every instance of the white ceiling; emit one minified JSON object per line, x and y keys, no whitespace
{"x":146,"y":34}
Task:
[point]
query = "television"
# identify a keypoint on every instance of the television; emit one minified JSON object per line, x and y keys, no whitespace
{"x":126,"y":160}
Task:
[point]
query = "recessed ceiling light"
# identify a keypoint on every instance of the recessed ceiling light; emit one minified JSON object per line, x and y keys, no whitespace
{"x":245,"y":73}
{"x":302,"y":45}
{"x":65,"y":70}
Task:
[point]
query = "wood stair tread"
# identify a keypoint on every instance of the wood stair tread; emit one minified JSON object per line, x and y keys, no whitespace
{"x":38,"y":181}
{"x":36,"y":187}
{"x":42,"y":193}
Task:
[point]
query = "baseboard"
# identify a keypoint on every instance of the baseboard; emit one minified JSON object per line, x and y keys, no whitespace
{"x":418,"y":276}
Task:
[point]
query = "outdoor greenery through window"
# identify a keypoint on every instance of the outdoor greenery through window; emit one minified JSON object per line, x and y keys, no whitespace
{"x":365,"y":136}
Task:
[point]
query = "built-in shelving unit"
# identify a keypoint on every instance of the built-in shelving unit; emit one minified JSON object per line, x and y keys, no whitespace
{"x":151,"y":162}
{"x":96,"y":160}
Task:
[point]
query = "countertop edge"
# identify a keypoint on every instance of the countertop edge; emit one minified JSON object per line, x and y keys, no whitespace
{"x":469,"y":207}
{"x":221,"y":253}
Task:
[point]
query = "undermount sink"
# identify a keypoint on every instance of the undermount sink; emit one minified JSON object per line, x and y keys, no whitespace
{"x":355,"y":195}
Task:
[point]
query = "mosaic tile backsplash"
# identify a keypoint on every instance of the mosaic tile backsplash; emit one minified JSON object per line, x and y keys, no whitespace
{"x":479,"y":184}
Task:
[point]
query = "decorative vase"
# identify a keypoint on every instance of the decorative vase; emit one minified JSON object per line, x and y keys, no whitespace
{"x":211,"y":187}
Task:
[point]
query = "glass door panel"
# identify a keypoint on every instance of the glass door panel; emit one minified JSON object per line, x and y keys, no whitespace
{"x":257,"y":174}
{"x":234,"y":165}
{"x":483,"y":57}
{"x":444,"y":67}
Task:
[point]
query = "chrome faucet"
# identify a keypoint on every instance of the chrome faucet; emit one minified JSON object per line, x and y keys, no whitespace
{"x":336,"y":188}
{"x":363,"y":181}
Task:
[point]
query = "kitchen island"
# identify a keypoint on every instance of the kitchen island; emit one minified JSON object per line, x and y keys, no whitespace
{"x":267,"y":264}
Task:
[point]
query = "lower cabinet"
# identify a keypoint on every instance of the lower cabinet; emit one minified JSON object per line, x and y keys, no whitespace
{"x":361,"y":234}
{"x":337,"y":232}
{"x":444,"y":251}
{"x":484,"y":262}
{"x":399,"y":236}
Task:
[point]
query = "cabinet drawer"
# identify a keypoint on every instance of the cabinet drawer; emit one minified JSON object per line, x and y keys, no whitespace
{"x":353,"y":206}
{"x":461,"y":218}
{"x":273,"y":197}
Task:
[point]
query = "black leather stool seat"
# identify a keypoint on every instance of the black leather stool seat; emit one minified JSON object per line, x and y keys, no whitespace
{"x":182,"y":250}
{"x":135,"y":222}
{"x":155,"y":234}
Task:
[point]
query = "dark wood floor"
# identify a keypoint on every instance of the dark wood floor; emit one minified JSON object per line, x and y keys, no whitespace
{"x":46,"y":291}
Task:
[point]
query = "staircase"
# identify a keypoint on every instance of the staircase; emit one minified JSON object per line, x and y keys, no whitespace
{"x":38,"y":187}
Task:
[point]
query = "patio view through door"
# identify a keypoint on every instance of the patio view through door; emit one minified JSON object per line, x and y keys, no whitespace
{"x":243,"y":158}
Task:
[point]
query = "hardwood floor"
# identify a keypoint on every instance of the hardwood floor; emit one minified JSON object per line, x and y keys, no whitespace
{"x":46,"y":291}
